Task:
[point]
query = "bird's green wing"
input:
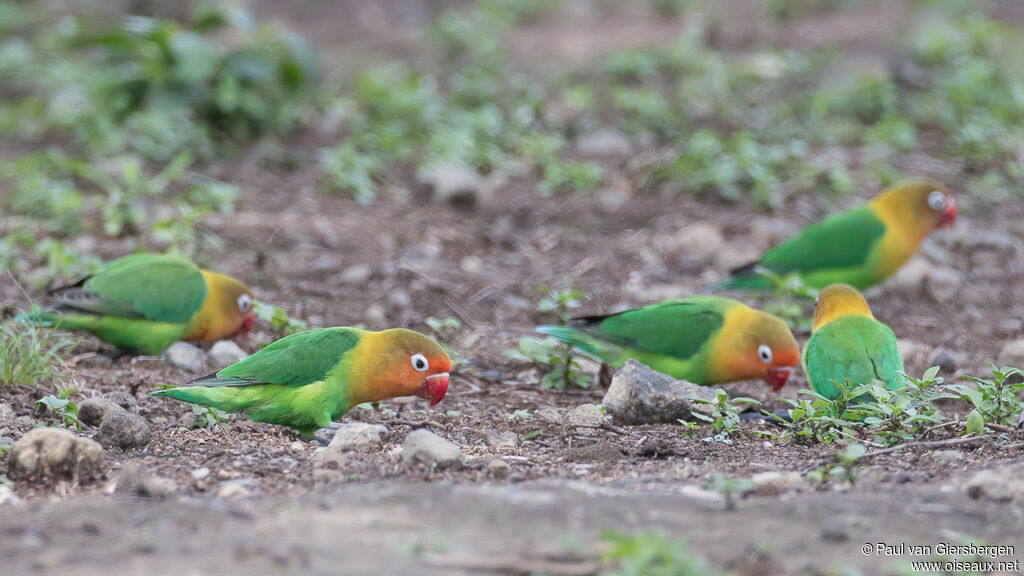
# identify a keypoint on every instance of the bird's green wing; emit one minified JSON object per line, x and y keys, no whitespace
{"x":294,"y":360}
{"x":153,"y":286}
{"x":858,"y":349}
{"x":842,"y":241}
{"x":678,"y":328}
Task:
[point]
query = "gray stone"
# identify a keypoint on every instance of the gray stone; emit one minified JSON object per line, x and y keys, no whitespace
{"x":584,"y":420}
{"x":374,"y":316}
{"x":453,"y":184}
{"x":184,"y":356}
{"x":239,"y":488}
{"x":92,"y":410}
{"x":8,"y":418}
{"x":357,"y":436}
{"x":773,"y":483}
{"x":124,"y":430}
{"x":947,"y":360}
{"x":426,"y":448}
{"x":200,"y":473}
{"x":55,"y":454}
{"x":639,"y":395}
{"x":507,"y":439}
{"x":918,"y":275}
{"x":122,"y":398}
{"x":697,"y":242}
{"x":913,"y":353}
{"x":472,"y":264}
{"x":224,"y":353}
{"x":358,"y":274}
{"x":604,"y":142}
{"x":498,"y":468}
{"x":399,"y":298}
{"x":1012,"y":354}
{"x":996,"y":485}
{"x":135,"y":480}
{"x":946,"y":457}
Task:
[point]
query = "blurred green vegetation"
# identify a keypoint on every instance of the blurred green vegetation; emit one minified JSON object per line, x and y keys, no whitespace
{"x":111,"y":127}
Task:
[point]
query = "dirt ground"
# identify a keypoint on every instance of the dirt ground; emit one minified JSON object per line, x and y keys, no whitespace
{"x":482,"y":265}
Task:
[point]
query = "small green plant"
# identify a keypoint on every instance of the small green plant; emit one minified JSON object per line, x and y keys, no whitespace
{"x":444,"y":328}
{"x":278,"y":319}
{"x":651,"y":554}
{"x":60,"y":409}
{"x":725,"y":414}
{"x":31,"y":355}
{"x":842,"y":466}
{"x":813,"y":418}
{"x":553,"y":358}
{"x":560,"y":302}
{"x":789,"y":295}
{"x":995,"y":400}
{"x":208,"y":417}
{"x":903,"y":414}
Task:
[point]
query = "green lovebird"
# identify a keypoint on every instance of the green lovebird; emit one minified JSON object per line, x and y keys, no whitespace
{"x":702,"y":339}
{"x":847,"y":343}
{"x":145,"y":302}
{"x":309,"y":379}
{"x":862,"y":246}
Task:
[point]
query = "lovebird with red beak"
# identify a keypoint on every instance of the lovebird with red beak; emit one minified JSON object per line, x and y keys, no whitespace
{"x":145,"y":302}
{"x":862,"y":246}
{"x":309,"y":379}
{"x":702,"y":339}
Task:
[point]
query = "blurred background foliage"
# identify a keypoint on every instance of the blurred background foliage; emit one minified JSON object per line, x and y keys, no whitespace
{"x":113,"y":126}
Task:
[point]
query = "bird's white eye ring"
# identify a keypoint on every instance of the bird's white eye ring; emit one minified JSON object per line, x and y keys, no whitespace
{"x":244,"y":303}
{"x":765,"y":353}
{"x":419,"y":362}
{"x":937,"y":201}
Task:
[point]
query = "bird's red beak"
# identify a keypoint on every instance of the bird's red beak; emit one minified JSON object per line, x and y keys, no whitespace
{"x":949,"y":214}
{"x":777,"y":377}
{"x":434,"y":388}
{"x":247,"y":324}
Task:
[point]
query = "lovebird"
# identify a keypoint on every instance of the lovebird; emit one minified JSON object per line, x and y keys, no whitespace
{"x":309,"y":379}
{"x":862,"y":246}
{"x":848,"y":343}
{"x":145,"y":302}
{"x":702,"y":339}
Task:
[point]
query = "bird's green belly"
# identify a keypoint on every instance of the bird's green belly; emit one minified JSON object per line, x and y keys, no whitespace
{"x":303,"y":408}
{"x":146,"y":336}
{"x":857,"y":349}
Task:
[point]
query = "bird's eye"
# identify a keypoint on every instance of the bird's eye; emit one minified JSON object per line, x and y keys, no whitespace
{"x":765,"y":353}
{"x":419,"y":362}
{"x":244,"y":303}
{"x":937,"y":201}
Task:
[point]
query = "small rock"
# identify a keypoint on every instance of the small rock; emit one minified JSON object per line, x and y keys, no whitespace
{"x":353,"y":436}
{"x":358,"y":274}
{"x":298,"y":446}
{"x":612,"y":199}
{"x":604,"y":142}
{"x":584,"y":420}
{"x":200,"y":473}
{"x":374,"y":315}
{"x":947,"y":360}
{"x":995,"y":485}
{"x":943,"y":283}
{"x":1012,"y":354}
{"x":507,"y":439}
{"x":425,"y":447}
{"x":639,"y":395}
{"x":939,"y":282}
{"x":774,"y":483}
{"x":399,"y":298}
{"x":8,"y":417}
{"x":699,"y":242}
{"x":224,"y":353}
{"x":946,"y":457}
{"x":598,"y":451}
{"x":184,"y":356}
{"x":552,"y":415}
{"x":495,"y":468}
{"x":7,"y":496}
{"x":92,"y":410}
{"x":454,"y":184}
{"x":239,"y":488}
{"x":124,"y":430}
{"x":913,"y":353}
{"x":122,"y":398}
{"x":472,"y":264}
{"x":54,"y":454}
{"x":135,"y":479}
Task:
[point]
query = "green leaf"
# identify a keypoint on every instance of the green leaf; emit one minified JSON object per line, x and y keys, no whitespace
{"x":975,"y":424}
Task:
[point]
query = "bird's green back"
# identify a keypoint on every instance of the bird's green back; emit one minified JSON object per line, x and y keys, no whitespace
{"x":841,"y":241}
{"x":857,"y":348}
{"x":152,"y":286}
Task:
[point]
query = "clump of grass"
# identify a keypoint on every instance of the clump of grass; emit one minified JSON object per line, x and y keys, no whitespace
{"x":652,"y":553}
{"x":31,"y":355}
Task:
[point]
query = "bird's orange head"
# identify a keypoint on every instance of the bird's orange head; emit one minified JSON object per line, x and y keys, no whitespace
{"x":400,"y":362}
{"x":227,"y":310}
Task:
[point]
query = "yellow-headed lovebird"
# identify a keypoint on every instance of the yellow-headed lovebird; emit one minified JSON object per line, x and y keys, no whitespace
{"x":309,"y":379}
{"x":703,"y":339}
{"x":861,"y":246}
{"x":847,"y":343}
{"x":144,"y":302}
